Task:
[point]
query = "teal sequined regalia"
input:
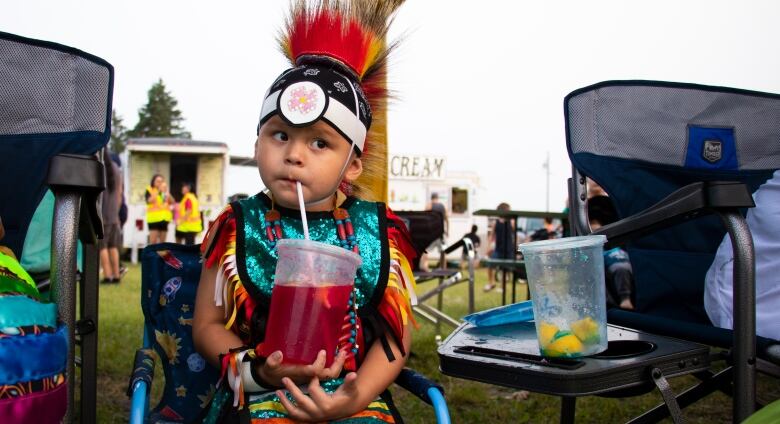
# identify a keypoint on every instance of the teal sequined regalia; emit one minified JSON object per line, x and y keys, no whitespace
{"x":245,"y":254}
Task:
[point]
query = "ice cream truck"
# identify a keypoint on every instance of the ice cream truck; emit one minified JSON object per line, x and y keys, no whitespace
{"x":414,"y":178}
{"x":201,"y":163}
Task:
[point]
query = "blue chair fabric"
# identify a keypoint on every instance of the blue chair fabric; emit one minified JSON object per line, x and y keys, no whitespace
{"x":169,"y":282}
{"x":56,"y":99}
{"x":644,"y":140}
{"x":638,"y":140}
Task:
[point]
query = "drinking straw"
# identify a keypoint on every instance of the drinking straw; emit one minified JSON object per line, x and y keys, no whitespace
{"x":302,"y":206}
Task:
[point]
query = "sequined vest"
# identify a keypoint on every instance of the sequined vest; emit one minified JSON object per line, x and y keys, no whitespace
{"x":257,"y":260}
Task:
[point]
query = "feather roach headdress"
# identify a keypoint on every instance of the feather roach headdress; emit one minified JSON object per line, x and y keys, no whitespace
{"x":339,"y":57}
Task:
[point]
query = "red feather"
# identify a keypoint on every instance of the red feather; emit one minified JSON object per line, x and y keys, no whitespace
{"x":329,"y":33}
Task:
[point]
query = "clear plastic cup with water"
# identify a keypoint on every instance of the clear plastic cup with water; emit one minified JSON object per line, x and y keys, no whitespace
{"x":566,"y":279}
{"x":309,"y":302}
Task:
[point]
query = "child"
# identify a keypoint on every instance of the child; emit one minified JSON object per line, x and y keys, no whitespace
{"x":313,"y":130}
{"x":619,"y":273}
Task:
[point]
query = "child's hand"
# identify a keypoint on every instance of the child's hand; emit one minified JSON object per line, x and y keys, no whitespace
{"x":273,"y":370}
{"x":320,"y":406}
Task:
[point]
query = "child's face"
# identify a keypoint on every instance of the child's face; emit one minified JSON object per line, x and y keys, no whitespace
{"x":313,"y":155}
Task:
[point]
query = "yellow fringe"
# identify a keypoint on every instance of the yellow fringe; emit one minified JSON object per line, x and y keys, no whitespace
{"x":401,"y":286}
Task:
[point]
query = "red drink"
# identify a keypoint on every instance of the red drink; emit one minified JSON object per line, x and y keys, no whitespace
{"x":304,"y":320}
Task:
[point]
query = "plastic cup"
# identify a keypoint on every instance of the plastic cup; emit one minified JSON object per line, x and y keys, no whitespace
{"x":566,"y":278}
{"x":312,"y":287}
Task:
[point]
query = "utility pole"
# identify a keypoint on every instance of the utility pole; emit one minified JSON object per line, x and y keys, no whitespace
{"x":546,"y":166}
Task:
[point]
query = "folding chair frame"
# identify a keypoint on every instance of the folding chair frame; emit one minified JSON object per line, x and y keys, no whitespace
{"x":689,"y":202}
{"x":446,"y":279}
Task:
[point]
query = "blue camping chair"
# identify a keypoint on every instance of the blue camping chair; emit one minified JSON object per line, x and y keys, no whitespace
{"x":55,"y":114}
{"x":680,"y":162}
{"x":170,"y":276}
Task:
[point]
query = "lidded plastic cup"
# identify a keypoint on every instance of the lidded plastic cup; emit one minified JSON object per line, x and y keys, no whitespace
{"x":309,"y":302}
{"x":566,"y":278}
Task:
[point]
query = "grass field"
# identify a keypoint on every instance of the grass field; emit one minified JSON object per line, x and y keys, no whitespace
{"x":120,"y":328}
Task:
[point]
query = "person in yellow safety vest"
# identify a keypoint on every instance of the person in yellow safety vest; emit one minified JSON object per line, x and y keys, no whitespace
{"x":158,"y":209}
{"x":188,"y":223}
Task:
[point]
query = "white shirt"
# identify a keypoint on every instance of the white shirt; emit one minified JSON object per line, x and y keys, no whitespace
{"x":764,"y":224}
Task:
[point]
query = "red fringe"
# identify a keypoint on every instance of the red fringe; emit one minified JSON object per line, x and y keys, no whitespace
{"x":322,"y":33}
{"x":225,"y":228}
{"x":400,"y":234}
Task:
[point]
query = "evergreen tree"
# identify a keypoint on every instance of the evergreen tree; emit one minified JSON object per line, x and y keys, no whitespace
{"x":160,"y":117}
{"x":118,"y":133}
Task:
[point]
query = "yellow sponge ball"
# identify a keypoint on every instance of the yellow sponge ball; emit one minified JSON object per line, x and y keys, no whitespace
{"x":546,"y":333}
{"x":586,"y":329}
{"x":566,"y":345}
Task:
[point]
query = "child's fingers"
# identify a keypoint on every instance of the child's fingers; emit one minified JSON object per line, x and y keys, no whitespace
{"x":274,"y":361}
{"x":350,"y":383}
{"x":317,"y":393}
{"x":335,"y":367}
{"x":272,"y":366}
{"x":304,"y":405}
{"x":318,"y":365}
{"x":292,"y":410}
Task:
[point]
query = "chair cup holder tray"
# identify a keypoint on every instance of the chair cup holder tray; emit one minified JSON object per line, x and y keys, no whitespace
{"x":508,"y":355}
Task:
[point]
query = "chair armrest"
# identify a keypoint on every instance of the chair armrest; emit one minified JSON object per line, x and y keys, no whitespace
{"x":684,"y":204}
{"x":140,"y":384}
{"x":417,"y":384}
{"x":428,"y":391}
{"x":86,"y":176}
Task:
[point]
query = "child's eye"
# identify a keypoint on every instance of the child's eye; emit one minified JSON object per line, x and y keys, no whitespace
{"x":279,"y":136}
{"x":319,"y":144}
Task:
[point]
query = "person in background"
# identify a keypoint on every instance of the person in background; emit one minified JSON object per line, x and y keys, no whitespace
{"x":617,"y":265}
{"x":763,"y":222}
{"x":122,"y":214}
{"x":437,"y":206}
{"x":502,"y":241}
{"x":475,"y":241}
{"x":548,"y":231}
{"x":188,"y":222}
{"x":112,"y":233}
{"x":594,"y":189}
{"x":158,"y":209}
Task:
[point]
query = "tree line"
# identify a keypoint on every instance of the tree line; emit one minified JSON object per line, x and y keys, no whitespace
{"x":160,"y":117}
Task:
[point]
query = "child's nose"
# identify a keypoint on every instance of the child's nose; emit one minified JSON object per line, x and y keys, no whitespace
{"x":294,"y":153}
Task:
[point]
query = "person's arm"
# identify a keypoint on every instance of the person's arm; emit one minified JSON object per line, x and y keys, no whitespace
{"x":209,"y":334}
{"x":356,"y":393}
{"x":120,"y":187}
{"x":492,"y":238}
{"x":149,"y":197}
{"x":446,"y":222}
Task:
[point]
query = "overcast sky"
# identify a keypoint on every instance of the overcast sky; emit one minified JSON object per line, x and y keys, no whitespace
{"x":481,"y":83}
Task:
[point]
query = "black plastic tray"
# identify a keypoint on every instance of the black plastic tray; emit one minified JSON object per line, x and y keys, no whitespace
{"x":508,"y":355}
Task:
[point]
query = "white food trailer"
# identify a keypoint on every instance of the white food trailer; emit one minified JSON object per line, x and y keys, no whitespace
{"x":202,"y":163}
{"x":414,"y":178}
